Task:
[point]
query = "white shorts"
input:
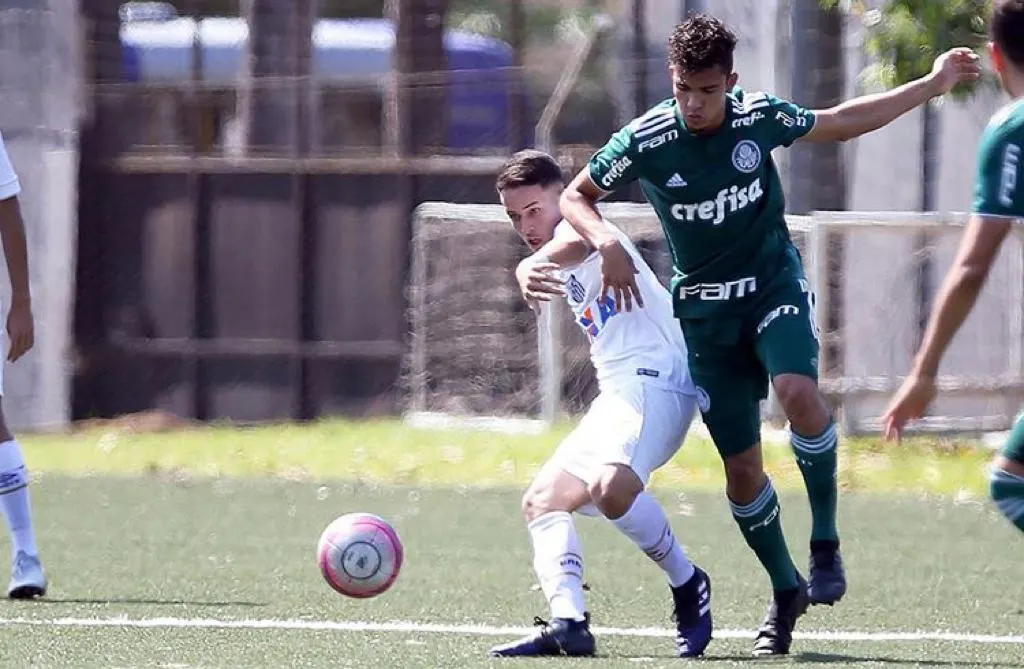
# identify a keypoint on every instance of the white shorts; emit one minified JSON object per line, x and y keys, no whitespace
{"x":641,"y":426}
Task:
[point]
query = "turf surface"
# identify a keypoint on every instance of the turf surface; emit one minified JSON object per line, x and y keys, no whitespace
{"x":146,"y":547}
{"x":390,"y":452}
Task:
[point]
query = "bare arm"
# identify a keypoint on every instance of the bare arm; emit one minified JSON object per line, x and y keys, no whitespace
{"x":535,"y":274}
{"x":868,"y":113}
{"x":565,"y":249}
{"x":579,"y":207}
{"x":20,"y":325}
{"x":959,"y":292}
{"x":12,"y":233}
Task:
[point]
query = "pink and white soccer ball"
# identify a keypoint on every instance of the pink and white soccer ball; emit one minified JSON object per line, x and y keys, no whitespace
{"x":360,"y":555}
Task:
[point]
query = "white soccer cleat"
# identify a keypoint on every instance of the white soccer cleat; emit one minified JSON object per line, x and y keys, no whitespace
{"x":27,"y":579}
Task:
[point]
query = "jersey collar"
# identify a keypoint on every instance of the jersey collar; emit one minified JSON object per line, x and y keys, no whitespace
{"x":725,"y":119}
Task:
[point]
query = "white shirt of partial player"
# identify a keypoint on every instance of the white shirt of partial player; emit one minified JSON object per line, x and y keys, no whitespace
{"x":9,"y":185}
{"x":645,"y":344}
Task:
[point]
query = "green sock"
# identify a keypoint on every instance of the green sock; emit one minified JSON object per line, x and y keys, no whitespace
{"x":761,"y":524}
{"x":816,"y":457}
{"x":1008,"y":493}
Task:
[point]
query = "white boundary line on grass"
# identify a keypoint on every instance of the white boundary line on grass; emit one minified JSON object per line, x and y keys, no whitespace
{"x":408,"y":627}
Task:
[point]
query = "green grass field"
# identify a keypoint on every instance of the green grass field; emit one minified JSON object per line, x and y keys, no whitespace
{"x":196,"y":549}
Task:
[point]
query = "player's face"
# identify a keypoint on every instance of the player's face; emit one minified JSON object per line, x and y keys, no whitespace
{"x":701,"y":96}
{"x":534,"y":212}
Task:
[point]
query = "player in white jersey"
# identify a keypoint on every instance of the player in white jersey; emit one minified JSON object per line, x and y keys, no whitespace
{"x":27,"y":579}
{"x":635,"y":425}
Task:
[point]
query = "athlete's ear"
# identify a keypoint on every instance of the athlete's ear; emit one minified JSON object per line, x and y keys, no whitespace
{"x":998,"y":63}
{"x":732,"y":80}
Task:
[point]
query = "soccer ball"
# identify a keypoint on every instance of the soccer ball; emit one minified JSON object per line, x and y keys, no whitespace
{"x":360,"y":555}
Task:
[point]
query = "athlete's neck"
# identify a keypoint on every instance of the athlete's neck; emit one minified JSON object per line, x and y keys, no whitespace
{"x":1013,"y":81}
{"x":709,"y":129}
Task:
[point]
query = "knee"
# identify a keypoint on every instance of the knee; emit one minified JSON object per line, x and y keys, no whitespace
{"x":802,"y":402}
{"x":615,"y":490}
{"x":744,"y":475}
{"x":536,"y":502}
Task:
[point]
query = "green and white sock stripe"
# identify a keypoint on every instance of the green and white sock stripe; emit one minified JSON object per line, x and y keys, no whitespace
{"x":824,"y":442}
{"x":763,"y":501}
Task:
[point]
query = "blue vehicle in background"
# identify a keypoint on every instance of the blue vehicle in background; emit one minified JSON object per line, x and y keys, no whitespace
{"x":352,"y":59}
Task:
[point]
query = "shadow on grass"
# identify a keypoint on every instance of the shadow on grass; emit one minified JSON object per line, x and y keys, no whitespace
{"x":809,"y":658}
{"x":837,"y":658}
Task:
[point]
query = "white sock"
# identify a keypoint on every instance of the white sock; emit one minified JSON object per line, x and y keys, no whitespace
{"x":14,"y":498}
{"x":647,"y":525}
{"x":558,"y":561}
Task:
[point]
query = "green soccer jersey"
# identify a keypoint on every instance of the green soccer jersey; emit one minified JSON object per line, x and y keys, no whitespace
{"x":718,"y":197}
{"x":996,"y":189}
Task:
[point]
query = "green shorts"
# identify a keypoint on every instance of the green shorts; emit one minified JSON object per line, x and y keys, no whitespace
{"x":733,"y":357}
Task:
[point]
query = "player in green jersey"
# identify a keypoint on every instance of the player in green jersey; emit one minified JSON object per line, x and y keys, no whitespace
{"x":998,"y":202}
{"x":703,"y":159}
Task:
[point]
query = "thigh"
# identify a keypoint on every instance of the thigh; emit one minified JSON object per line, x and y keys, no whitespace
{"x":667,"y":415}
{"x":638,"y":425}
{"x":786,"y":334}
{"x":612,"y":422}
{"x":730,"y":382}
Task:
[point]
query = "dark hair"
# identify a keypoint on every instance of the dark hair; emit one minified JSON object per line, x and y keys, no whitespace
{"x":700,"y":43}
{"x":529,"y":168}
{"x":1007,"y":29}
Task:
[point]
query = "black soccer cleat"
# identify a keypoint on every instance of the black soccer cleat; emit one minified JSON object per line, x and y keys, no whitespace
{"x":561,"y":636}
{"x":776,"y":632}
{"x":691,"y":612}
{"x":827,"y":578}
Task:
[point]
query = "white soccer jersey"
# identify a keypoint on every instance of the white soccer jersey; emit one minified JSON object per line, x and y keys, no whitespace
{"x":645,"y":343}
{"x":9,"y":185}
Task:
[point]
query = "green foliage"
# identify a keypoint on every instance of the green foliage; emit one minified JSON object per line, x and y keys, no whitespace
{"x":906,"y":36}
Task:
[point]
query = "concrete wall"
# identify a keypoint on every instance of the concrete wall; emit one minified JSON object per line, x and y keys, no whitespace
{"x":40,"y":89}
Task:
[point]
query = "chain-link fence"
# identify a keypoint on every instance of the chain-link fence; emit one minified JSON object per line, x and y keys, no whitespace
{"x":307,"y":131}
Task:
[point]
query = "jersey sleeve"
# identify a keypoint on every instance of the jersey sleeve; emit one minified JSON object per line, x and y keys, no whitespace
{"x":787,"y":121}
{"x":9,"y":184}
{"x":616,"y":163}
{"x":996,"y":188}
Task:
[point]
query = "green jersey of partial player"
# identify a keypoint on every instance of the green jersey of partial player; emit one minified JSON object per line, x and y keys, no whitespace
{"x":718,"y":197}
{"x":999,"y":187}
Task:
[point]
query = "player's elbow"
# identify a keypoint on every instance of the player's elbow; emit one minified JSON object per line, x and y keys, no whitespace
{"x":972,"y":275}
{"x":572,"y":197}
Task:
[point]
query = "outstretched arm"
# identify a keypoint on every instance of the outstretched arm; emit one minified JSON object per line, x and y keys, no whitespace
{"x":867,"y":113}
